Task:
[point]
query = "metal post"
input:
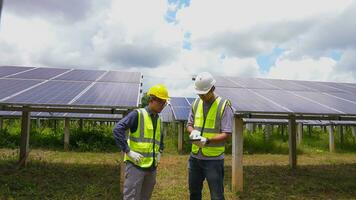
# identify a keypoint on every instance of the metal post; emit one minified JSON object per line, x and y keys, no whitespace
{"x":38,"y":123}
{"x":25,"y":138}
{"x":249,"y":127}
{"x":180,"y":136}
{"x":268,"y":131}
{"x":1,"y":120}
{"x":353,"y":129}
{"x":292,"y":142}
{"x":331,"y":139}
{"x":237,"y":150}
{"x":300,"y":133}
{"x":341,"y":133}
{"x":66,"y":134}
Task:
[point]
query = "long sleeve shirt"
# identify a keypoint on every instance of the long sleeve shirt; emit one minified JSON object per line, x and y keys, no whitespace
{"x":131,"y":122}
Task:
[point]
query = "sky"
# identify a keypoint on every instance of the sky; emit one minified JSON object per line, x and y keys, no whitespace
{"x":169,"y":41}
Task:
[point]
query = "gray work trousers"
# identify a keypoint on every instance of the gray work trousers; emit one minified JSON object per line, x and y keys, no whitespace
{"x":138,"y":183}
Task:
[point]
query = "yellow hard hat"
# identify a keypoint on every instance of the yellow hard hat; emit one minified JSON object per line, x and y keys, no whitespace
{"x":159,"y":91}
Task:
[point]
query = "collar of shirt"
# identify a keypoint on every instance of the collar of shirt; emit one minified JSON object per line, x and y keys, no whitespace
{"x":150,"y":112}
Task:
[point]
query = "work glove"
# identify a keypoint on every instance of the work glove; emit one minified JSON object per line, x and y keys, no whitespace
{"x":134,"y":156}
{"x":194,"y":135}
{"x":202,"y":142}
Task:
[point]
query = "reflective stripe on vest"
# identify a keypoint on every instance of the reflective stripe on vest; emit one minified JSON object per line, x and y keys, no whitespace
{"x":212,"y":125}
{"x":142,"y":141}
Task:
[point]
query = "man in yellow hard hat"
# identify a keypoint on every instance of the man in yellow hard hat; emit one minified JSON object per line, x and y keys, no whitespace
{"x":144,"y":145}
{"x":210,"y":125}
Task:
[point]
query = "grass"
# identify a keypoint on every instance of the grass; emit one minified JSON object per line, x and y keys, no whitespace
{"x":79,"y":175}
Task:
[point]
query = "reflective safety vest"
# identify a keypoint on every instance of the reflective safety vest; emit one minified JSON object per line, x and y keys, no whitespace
{"x":211,"y":126}
{"x":144,"y":140}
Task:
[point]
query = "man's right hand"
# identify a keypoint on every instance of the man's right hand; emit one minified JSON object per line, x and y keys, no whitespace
{"x":194,"y":135}
{"x":135,"y":156}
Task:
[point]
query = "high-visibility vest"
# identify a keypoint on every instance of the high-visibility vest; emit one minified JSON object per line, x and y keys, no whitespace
{"x":144,"y":140}
{"x":211,"y":127}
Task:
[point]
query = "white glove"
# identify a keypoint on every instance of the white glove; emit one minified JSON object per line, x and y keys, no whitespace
{"x":135,"y":156}
{"x":202,"y":142}
{"x":158,"y":157}
{"x":194,"y":135}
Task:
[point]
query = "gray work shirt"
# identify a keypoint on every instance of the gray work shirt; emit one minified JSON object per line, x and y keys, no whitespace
{"x":225,"y":127}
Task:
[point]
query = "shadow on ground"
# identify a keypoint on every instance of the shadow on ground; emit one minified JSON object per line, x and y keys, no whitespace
{"x":306,"y":182}
{"x":44,"y":180}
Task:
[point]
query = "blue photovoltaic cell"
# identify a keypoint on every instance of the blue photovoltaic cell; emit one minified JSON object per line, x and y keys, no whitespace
{"x":166,"y":114}
{"x":286,"y":85}
{"x":179,"y":101}
{"x":111,"y":94}
{"x":294,"y":103}
{"x":51,"y":92}
{"x":81,"y":75}
{"x":12,"y":86}
{"x":122,"y":77}
{"x":318,"y":86}
{"x":346,"y":96}
{"x":8,"y":70}
{"x":224,"y":82}
{"x":243,"y":100}
{"x":251,"y":83}
{"x":40,"y":73}
{"x":345,"y":88}
{"x":181,"y":113}
{"x":333,"y":102}
{"x":191,"y":100}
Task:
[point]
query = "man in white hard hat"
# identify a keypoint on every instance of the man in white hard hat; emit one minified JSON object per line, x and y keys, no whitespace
{"x":210,"y":125}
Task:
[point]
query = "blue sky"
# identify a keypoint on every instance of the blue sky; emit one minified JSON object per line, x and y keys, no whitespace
{"x":169,"y":41}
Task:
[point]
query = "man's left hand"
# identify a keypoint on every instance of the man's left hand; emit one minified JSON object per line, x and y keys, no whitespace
{"x":202,"y":142}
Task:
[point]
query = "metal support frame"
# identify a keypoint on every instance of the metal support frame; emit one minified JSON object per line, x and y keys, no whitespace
{"x":292,"y":142}
{"x":331,"y":138}
{"x":300,"y":133}
{"x":66,"y":133}
{"x":268,"y":131}
{"x":341,"y":134}
{"x":237,"y":151}
{"x":25,"y":138}
{"x":180,"y":136}
{"x":353,"y":130}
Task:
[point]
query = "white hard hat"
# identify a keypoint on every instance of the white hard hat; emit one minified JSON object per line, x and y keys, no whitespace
{"x":203,"y":83}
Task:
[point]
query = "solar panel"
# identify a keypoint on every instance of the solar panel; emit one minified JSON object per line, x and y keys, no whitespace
{"x":122,"y":77}
{"x":40,"y":73}
{"x":294,"y":103}
{"x":113,"y":94}
{"x":8,"y":70}
{"x":181,"y":113}
{"x":190,"y":100}
{"x":13,"y":86}
{"x":244,"y":100}
{"x":179,"y":101}
{"x":318,"y":86}
{"x":166,"y":114}
{"x":346,"y":96}
{"x":251,"y":83}
{"x":51,"y":92}
{"x":286,"y":85}
{"x":68,"y":87}
{"x":81,"y":75}
{"x":224,"y":82}
{"x":342,"y":107}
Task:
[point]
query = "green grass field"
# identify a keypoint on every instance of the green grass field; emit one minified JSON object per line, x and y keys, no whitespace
{"x":79,"y":175}
{"x":91,"y":170}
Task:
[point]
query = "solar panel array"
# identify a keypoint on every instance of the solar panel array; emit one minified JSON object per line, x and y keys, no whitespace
{"x":69,"y":87}
{"x":256,"y":95}
{"x":180,"y":108}
{"x":15,"y":114}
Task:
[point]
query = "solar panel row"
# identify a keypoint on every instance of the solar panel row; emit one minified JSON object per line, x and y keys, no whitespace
{"x":285,"y":96}
{"x":63,"y":115}
{"x":68,"y":87}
